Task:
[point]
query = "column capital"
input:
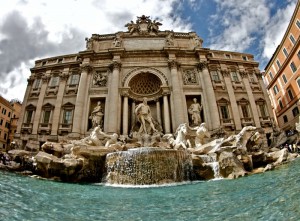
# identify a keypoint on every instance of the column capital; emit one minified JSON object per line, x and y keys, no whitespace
{"x":86,"y":67}
{"x":243,"y":74}
{"x":202,"y":65}
{"x":258,"y":75}
{"x":115,"y":65}
{"x":45,"y":79}
{"x":64,"y":76}
{"x":225,"y":72}
{"x":30,"y":80}
{"x":173,"y":64}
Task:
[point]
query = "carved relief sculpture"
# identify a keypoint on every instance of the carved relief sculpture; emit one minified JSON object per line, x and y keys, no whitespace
{"x":189,"y":77}
{"x":100,"y":79}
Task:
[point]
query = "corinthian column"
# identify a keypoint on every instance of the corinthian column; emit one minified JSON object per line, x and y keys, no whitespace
{"x":81,"y":96}
{"x":176,"y":95}
{"x":125,"y":115}
{"x":251,"y":99}
{"x":60,"y":94}
{"x":113,"y":98}
{"x":209,"y":102}
{"x":39,"y":105}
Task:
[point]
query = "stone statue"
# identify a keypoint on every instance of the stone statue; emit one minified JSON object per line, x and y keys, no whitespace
{"x":112,"y":139}
{"x":201,"y":134}
{"x":170,"y":40}
{"x":89,"y":43}
{"x":132,"y":27}
{"x":97,"y":115}
{"x":117,"y":42}
{"x":100,"y":79}
{"x":180,"y":141}
{"x":194,"y":111}
{"x":143,"y":114}
{"x":153,"y":26}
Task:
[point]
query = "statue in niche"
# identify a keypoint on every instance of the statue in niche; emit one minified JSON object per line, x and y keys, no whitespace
{"x":194,"y":111}
{"x":143,"y":114}
{"x":100,"y":79}
{"x":189,"y":77}
{"x":97,"y":115}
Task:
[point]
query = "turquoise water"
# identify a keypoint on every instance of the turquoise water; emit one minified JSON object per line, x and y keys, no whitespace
{"x":273,"y":195}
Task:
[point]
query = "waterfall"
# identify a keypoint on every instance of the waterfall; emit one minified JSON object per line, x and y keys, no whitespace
{"x":148,"y":165}
{"x":211,"y":160}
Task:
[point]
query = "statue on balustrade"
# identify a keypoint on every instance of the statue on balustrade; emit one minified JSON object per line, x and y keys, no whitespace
{"x":195,"y":111}
{"x":97,"y":115}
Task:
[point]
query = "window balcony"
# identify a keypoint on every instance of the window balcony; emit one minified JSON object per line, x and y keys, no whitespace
{"x":44,"y":128}
{"x":26,"y":128}
{"x":64,"y":129}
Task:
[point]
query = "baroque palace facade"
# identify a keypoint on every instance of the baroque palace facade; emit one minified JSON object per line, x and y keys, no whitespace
{"x":117,"y":71}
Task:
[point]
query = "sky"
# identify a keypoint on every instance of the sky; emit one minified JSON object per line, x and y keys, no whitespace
{"x":36,"y":29}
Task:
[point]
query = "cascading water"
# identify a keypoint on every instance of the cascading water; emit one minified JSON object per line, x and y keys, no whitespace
{"x":147,"y":166}
{"x":211,"y":160}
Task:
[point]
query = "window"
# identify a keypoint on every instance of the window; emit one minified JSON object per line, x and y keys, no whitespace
{"x":285,"y":52}
{"x":293,"y":67}
{"x":7,"y":125}
{"x":284,"y":78}
{"x":234,"y":77}
{"x":245,"y":111}
{"x":60,"y":60}
{"x":298,"y":23}
{"x":227,"y":56}
{"x":4,"y":111}
{"x":37,"y":83}
{"x":29,"y":114}
{"x":5,"y":136}
{"x":278,"y":63}
{"x":67,"y":117}
{"x":74,"y":79}
{"x":224,"y":111}
{"x":292,"y":39}
{"x":1,"y":121}
{"x":280,"y":103}
{"x":298,"y":82}
{"x":295,"y":111}
{"x":275,"y":89}
{"x":245,"y":58}
{"x":54,"y":81}
{"x":285,"y":119}
{"x":46,"y":117}
{"x":298,"y":54}
{"x":215,"y":76}
{"x":262,"y":109}
{"x":290,"y":93}
{"x":271,"y":75}
{"x":8,"y":114}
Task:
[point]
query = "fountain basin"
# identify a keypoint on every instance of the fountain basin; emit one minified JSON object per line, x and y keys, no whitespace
{"x":147,"y":166}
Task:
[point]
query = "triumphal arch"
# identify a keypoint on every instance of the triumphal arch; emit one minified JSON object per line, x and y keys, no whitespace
{"x":178,"y":79}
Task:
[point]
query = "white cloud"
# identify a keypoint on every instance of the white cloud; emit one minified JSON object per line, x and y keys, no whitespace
{"x":47,"y":28}
{"x":239,"y":22}
{"x":275,"y":29}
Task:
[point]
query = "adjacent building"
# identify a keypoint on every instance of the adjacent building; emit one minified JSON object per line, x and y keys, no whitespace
{"x":117,"y":71}
{"x":282,"y":76}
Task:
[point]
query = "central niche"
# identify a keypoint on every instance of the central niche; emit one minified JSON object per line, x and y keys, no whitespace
{"x":145,"y":84}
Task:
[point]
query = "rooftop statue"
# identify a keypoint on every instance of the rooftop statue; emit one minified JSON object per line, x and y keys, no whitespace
{"x":143,"y":25}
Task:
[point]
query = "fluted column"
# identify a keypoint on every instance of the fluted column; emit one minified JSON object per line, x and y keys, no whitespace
{"x":158,"y":112}
{"x":209,"y":102}
{"x":167,"y":121}
{"x":178,"y":111}
{"x":113,"y":94}
{"x":39,"y":105}
{"x":233,"y":103}
{"x":81,"y":96}
{"x":264,"y":90}
{"x":125,"y":115}
{"x":26,"y":96}
{"x":251,"y":99}
{"x":57,"y":109}
{"x":132,"y":113}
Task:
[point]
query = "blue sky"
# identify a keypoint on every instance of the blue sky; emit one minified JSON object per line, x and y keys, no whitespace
{"x":35,"y":29}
